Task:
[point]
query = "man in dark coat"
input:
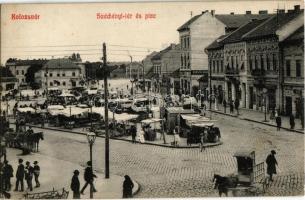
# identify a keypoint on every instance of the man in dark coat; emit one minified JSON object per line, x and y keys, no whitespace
{"x":231,"y":107}
{"x":291,"y":120}
{"x":127,"y":187}
{"x":225,"y":105}
{"x":75,"y":185}
{"x":271,"y":164}
{"x":36,"y":173}
{"x":7,"y":175}
{"x":89,"y":178}
{"x":278,"y":121}
{"x":20,"y":175}
{"x":236,"y":104}
{"x":133,"y":133}
{"x":28,"y":175}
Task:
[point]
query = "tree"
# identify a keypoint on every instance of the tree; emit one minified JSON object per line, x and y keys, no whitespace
{"x":30,"y":75}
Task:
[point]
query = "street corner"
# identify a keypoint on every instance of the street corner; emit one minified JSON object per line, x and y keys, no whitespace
{"x":109,"y":188}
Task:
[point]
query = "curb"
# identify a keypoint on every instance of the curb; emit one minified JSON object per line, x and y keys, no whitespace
{"x":251,"y":120}
{"x":126,"y":140}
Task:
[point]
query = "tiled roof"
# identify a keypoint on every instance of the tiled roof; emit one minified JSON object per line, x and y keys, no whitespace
{"x":216,"y":43}
{"x":237,"y":20}
{"x":297,"y":35}
{"x":26,"y":62}
{"x":237,"y":34}
{"x":270,"y":26}
{"x":186,"y":24}
{"x":160,"y":54}
{"x":61,"y":63}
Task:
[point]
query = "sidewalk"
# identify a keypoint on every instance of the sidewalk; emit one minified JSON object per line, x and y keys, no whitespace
{"x":57,"y":174}
{"x":259,"y":117}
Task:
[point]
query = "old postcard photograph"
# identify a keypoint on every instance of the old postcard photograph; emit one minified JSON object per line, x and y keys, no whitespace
{"x":180,"y":99}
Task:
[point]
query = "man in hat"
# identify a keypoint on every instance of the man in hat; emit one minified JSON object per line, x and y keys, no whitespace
{"x":89,"y":177}
{"x":29,"y":170}
{"x":271,"y":164}
{"x":75,"y":185}
{"x":36,"y":173}
{"x":7,"y":175}
{"x":20,"y":175}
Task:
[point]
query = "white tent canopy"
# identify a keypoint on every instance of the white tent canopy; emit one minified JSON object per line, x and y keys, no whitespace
{"x":26,"y":109}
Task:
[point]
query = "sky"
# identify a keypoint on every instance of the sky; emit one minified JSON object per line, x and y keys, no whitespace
{"x":66,"y":28}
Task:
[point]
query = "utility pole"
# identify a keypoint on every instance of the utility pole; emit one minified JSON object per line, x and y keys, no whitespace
{"x":106,"y":112}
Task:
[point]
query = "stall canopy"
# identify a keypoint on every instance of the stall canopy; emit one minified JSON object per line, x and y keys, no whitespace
{"x":118,"y":117}
{"x":26,"y":109}
{"x":196,"y":119}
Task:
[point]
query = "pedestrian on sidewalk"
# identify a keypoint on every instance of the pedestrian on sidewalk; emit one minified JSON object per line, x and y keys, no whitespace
{"x":225,"y":105}
{"x":89,"y":178}
{"x":231,"y":107}
{"x":271,"y":164}
{"x":28,"y":175}
{"x":36,"y":173}
{"x":272,"y":115}
{"x":127,"y":187}
{"x":278,"y":121}
{"x":20,"y":175}
{"x":75,"y":185}
{"x":133,"y":133}
{"x":7,"y":175}
{"x":236,"y":104}
{"x":291,"y":120}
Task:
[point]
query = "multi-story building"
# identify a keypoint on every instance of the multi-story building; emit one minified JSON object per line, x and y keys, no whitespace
{"x":19,"y":68}
{"x":292,"y":49}
{"x":164,"y":64}
{"x":60,"y":73}
{"x":252,"y":61}
{"x":7,"y":80}
{"x":196,"y":34}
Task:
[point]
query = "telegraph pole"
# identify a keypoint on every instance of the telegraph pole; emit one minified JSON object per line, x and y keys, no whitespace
{"x":106,"y":112}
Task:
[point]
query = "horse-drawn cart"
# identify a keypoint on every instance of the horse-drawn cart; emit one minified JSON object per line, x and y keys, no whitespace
{"x":249,"y":180}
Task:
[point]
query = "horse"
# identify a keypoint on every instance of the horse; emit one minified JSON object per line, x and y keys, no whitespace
{"x":222,"y":183}
{"x":33,"y":140}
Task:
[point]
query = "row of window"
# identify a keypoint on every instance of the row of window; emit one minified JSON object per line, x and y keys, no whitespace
{"x":56,"y":84}
{"x":298,"y":68}
{"x":217,"y":66}
{"x":185,"y":61}
{"x":58,"y":75}
{"x":263,"y":62}
{"x":185,"y":42}
{"x":157,"y":69}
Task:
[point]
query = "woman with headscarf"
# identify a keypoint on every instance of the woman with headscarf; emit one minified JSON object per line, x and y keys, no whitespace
{"x":271,"y":164}
{"x":127,"y":187}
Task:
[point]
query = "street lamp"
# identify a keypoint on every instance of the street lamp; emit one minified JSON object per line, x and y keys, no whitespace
{"x":91,"y":138}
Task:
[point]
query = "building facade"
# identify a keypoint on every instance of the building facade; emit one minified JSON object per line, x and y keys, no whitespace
{"x":60,"y":73}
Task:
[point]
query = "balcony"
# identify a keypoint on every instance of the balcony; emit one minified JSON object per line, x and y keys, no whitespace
{"x":231,"y":72}
{"x":258,"y":72}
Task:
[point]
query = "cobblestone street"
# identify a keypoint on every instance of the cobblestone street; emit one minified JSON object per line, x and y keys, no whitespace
{"x":167,"y":172}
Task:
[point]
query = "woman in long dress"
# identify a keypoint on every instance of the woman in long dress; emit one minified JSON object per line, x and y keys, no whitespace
{"x":141,"y":136}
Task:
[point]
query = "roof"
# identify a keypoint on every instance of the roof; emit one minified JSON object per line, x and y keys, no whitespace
{"x":5,"y":72}
{"x":297,"y":35}
{"x":162,"y":52}
{"x":175,"y":74}
{"x":216,"y":43}
{"x":60,"y":63}
{"x":236,"y":36}
{"x":269,"y":27}
{"x":189,"y":22}
{"x":14,"y":61}
{"x":237,"y":20}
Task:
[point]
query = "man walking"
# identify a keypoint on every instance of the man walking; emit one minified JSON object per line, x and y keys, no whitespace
{"x":20,"y":175}
{"x":89,"y":178}
{"x":291,"y":120}
{"x":231,"y":107}
{"x":7,"y":175}
{"x":75,"y":185}
{"x":225,"y":105}
{"x":29,"y":170}
{"x":36,"y":173}
{"x":133,"y":133}
{"x":278,"y":121}
{"x":271,"y":164}
{"x":236,"y":104}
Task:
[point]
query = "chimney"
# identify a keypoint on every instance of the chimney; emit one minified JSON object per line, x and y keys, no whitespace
{"x":281,"y":10}
{"x":232,"y":13}
{"x":263,"y":12}
{"x":213,"y":12}
{"x":297,"y":7}
{"x":173,"y":45}
{"x":248,"y":12}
